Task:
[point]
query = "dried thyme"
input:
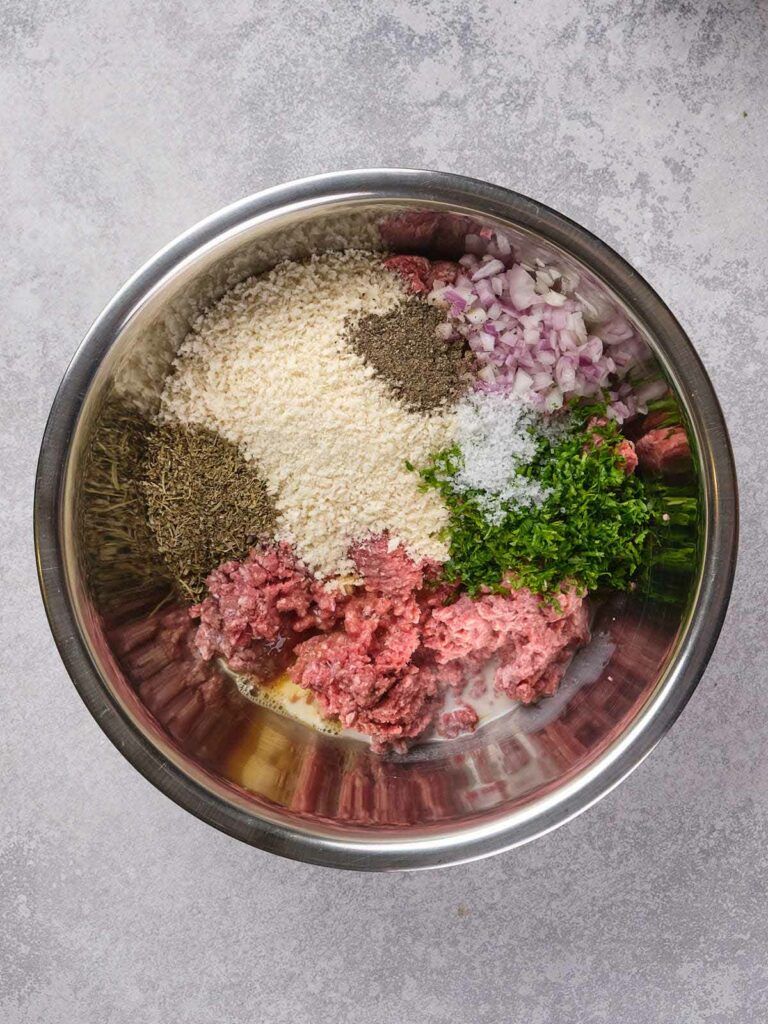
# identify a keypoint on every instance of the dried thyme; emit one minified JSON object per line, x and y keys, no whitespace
{"x":204,"y":502}
{"x":121,"y":557}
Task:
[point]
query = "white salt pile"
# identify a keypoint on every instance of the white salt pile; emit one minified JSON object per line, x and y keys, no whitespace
{"x":497,"y":435}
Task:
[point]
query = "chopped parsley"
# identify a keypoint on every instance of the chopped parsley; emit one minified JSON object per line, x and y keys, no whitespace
{"x":591,"y":530}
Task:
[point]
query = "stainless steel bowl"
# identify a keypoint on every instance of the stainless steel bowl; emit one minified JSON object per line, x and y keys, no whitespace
{"x":264,"y":778}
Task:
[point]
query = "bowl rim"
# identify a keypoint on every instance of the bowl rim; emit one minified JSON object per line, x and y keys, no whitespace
{"x":720,"y":543}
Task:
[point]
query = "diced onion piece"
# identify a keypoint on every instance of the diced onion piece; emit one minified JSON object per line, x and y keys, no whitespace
{"x":476,"y":316}
{"x":488,"y":269}
{"x":522,"y":291}
{"x":523,"y":383}
{"x":503,"y":244}
{"x":553,"y":400}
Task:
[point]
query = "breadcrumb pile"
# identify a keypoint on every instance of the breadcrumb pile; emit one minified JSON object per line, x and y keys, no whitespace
{"x":269,"y":369}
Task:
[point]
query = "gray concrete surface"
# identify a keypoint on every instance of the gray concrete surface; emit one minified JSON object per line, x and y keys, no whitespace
{"x":122,"y":123}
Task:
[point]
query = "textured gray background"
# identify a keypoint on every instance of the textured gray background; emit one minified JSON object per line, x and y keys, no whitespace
{"x":121,"y":124}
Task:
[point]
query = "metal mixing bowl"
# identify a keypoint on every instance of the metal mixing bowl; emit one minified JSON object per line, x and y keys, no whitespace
{"x":265,"y":778}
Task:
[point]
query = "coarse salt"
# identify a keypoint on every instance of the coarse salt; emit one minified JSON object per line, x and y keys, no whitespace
{"x":496,"y":434}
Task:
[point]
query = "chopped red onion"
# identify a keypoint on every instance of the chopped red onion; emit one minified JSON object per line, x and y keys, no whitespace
{"x":485,"y":293}
{"x":488,"y":269}
{"x":477,"y":316}
{"x":531,"y":339}
{"x":503,"y":244}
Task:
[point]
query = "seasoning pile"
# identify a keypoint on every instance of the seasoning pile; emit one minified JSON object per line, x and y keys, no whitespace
{"x":205,"y":503}
{"x":413,"y":349}
{"x":404,"y":477}
{"x":121,"y":555}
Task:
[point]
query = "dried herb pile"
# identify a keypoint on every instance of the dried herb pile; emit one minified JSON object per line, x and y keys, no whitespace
{"x":121,"y":556}
{"x":204,"y":502}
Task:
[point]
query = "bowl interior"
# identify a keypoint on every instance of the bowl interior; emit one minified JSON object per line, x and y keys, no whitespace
{"x":272,"y":775}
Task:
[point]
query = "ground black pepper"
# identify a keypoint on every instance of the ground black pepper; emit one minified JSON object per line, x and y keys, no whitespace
{"x":205,"y":503}
{"x":423,"y":370}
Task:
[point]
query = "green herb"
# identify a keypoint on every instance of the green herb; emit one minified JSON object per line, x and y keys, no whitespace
{"x":671,"y":551}
{"x":590,"y":532}
{"x":664,"y":412}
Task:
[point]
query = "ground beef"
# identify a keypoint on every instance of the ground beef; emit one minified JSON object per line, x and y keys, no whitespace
{"x":386,"y":626}
{"x":461,"y":719}
{"x":442,"y":272}
{"x":362,"y":674}
{"x":382,"y":658}
{"x":534,"y":641}
{"x":402,"y":646}
{"x":527,"y":673}
{"x":389,"y":570}
{"x":626,"y":450}
{"x":269,"y":597}
{"x":406,"y":710}
{"x":421,"y":274}
{"x":664,"y":449}
{"x":353,"y":683}
{"x":342,"y":674}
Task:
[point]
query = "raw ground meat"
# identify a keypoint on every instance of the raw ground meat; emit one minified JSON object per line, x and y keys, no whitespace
{"x":402,"y":646}
{"x":382,"y":658}
{"x":363,"y":673}
{"x":406,"y":710}
{"x":528,"y":676}
{"x":624,"y":448}
{"x":534,"y":641}
{"x":341,"y":673}
{"x":461,"y":719}
{"x":386,"y":627}
{"x":268,"y":597}
{"x":389,"y":571}
{"x":390,"y":707}
{"x":420,"y":274}
{"x":627,"y":451}
{"x":664,"y":449}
